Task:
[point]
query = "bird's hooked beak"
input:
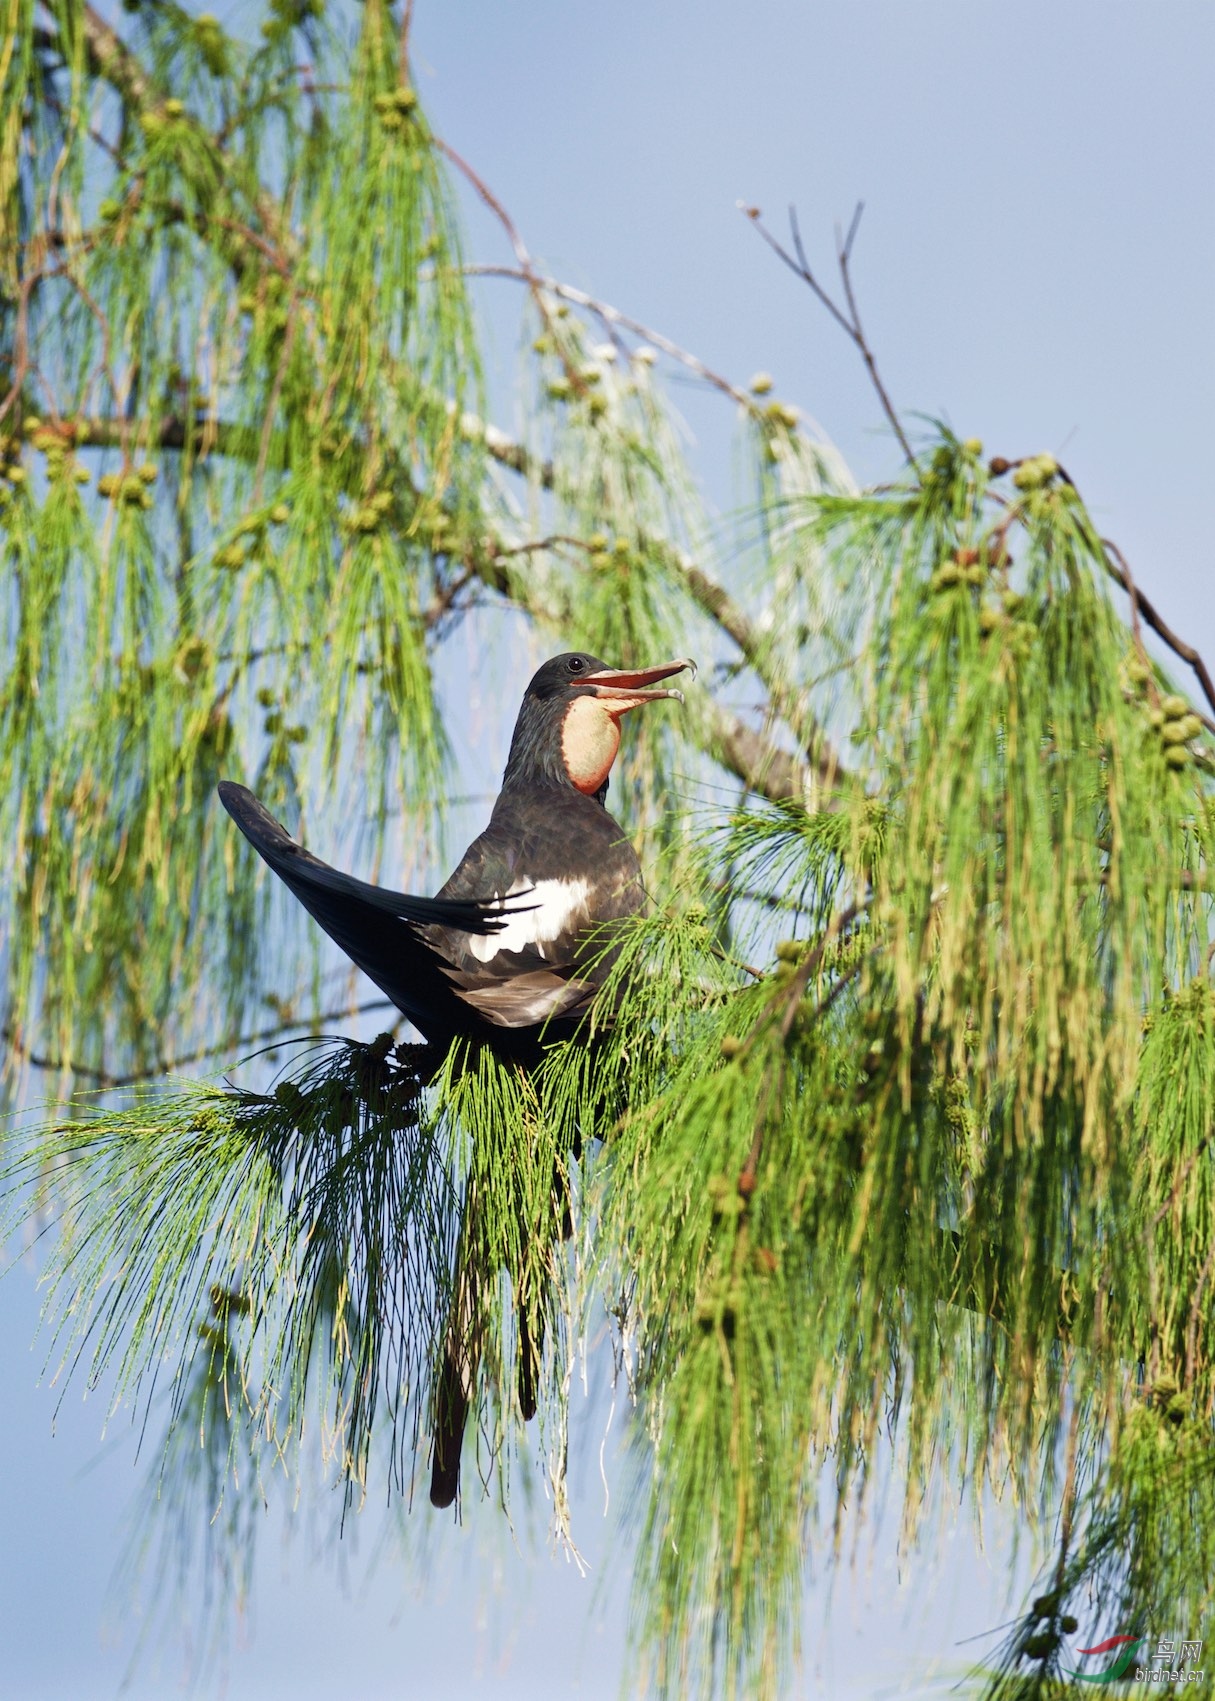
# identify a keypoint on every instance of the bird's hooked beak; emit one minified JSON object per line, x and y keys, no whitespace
{"x":622,"y":688}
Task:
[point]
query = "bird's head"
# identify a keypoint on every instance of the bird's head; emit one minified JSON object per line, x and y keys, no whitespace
{"x":568,"y":731}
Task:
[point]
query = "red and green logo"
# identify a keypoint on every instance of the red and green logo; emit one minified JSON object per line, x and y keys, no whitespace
{"x":1121,"y":1647}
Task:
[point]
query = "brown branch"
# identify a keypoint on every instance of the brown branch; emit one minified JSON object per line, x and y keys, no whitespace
{"x":52,"y":1065}
{"x":558,"y":540}
{"x":763,"y":767}
{"x":403,"y":50}
{"x":810,"y":962}
{"x":793,"y":708}
{"x":1196,"y":1313}
{"x":114,"y":60}
{"x":105,"y":431}
{"x":1117,"y":567}
{"x":849,"y":321}
{"x":760,"y":764}
{"x":444,"y":598}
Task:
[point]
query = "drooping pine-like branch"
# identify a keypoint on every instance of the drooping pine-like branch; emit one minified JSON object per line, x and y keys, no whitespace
{"x":941,"y":1172}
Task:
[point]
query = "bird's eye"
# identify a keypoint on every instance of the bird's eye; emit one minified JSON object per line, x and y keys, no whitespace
{"x":575,"y":664}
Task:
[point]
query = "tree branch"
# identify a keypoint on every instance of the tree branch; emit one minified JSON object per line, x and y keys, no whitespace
{"x":168,"y":1066}
{"x":1118,"y":569}
{"x":763,"y":767}
{"x":793,"y":707}
{"x":849,"y":321}
{"x":759,"y":764}
{"x":113,"y":60}
{"x":614,"y":318}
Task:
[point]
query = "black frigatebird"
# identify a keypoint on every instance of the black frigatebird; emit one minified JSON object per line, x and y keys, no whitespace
{"x":509,"y":953}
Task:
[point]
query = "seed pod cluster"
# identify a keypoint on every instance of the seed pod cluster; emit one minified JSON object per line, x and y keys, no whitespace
{"x":1041,"y":1645}
{"x":963,"y":567}
{"x":232,"y":556}
{"x":726,"y":1200}
{"x":782,"y":414}
{"x":212,"y":43}
{"x":267,"y":300}
{"x":1177,"y":726}
{"x":193,"y":657}
{"x":57,"y":442}
{"x":1035,"y":471}
{"x":438,"y":530}
{"x":394,"y":107}
{"x":128,"y":489}
{"x":277,"y":727}
{"x":369,"y":515}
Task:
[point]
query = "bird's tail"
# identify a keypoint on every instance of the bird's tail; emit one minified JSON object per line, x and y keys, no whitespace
{"x":455,"y":1383}
{"x":452,"y":1399}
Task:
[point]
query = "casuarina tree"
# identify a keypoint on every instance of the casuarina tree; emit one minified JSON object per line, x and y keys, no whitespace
{"x":888,"y":1114}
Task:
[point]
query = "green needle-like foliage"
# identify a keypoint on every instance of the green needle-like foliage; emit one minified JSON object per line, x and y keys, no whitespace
{"x":891,"y":1130}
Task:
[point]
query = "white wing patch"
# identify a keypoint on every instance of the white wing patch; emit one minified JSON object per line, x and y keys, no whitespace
{"x":553,"y":905}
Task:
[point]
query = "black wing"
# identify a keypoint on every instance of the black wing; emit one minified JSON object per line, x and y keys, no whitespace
{"x":375,"y":927}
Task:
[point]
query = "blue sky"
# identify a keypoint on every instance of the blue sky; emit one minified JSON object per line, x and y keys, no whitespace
{"x":1034,"y":265}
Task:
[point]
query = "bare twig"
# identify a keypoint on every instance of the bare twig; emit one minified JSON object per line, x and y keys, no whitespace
{"x":444,"y":598}
{"x":20,"y":362}
{"x":533,"y":545}
{"x":535,"y":283}
{"x":846,"y":317}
